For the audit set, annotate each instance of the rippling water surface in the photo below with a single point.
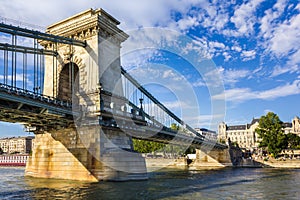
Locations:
(241, 183)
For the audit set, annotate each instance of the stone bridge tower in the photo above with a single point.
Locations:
(85, 151)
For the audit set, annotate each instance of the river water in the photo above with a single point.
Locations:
(229, 183)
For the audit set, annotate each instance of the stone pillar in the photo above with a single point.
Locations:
(51, 159)
(212, 158)
(86, 154)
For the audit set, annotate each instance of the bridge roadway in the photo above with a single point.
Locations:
(48, 113)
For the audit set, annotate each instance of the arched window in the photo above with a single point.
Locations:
(68, 81)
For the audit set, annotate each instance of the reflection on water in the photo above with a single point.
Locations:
(165, 184)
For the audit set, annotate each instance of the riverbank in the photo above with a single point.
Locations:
(157, 163)
(184, 163)
(289, 163)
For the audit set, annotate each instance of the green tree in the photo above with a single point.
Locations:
(144, 146)
(180, 149)
(293, 141)
(270, 130)
(174, 127)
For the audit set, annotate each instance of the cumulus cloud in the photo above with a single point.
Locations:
(221, 76)
(248, 55)
(268, 20)
(236, 48)
(215, 44)
(244, 18)
(286, 37)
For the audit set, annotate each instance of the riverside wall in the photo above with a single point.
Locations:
(289, 163)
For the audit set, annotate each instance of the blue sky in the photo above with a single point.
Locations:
(253, 44)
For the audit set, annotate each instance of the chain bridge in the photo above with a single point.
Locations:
(68, 87)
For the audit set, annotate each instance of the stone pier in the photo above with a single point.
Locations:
(92, 155)
(228, 157)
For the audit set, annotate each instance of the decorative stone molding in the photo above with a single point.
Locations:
(86, 25)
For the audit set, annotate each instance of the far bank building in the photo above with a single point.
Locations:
(245, 135)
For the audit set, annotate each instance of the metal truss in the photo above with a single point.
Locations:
(14, 30)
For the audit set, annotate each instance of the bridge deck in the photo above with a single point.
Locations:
(44, 112)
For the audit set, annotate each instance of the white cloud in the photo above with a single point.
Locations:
(281, 91)
(281, 36)
(278, 70)
(199, 83)
(214, 16)
(226, 55)
(267, 22)
(216, 44)
(221, 76)
(132, 14)
(235, 95)
(244, 18)
(171, 75)
(236, 48)
(204, 120)
(294, 59)
(286, 37)
(246, 94)
(177, 105)
(19, 78)
(233, 76)
(207, 49)
(187, 23)
(248, 55)
(5, 38)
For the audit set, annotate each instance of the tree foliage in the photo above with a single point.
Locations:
(174, 127)
(270, 130)
(293, 141)
(143, 146)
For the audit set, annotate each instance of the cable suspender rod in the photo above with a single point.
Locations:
(160, 105)
(30, 50)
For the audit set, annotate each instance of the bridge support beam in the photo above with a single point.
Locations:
(88, 154)
(217, 157)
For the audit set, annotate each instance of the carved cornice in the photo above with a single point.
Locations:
(88, 24)
(113, 31)
(74, 27)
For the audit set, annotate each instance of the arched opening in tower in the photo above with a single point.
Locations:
(68, 81)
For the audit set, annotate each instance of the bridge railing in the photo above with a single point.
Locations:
(32, 95)
(22, 57)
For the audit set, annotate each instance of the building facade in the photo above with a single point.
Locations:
(245, 135)
(293, 127)
(20, 145)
